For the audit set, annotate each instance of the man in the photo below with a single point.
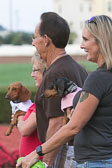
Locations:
(50, 39)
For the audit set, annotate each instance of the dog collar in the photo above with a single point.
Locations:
(72, 87)
(16, 101)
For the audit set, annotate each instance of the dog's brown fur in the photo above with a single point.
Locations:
(61, 87)
(53, 93)
(17, 91)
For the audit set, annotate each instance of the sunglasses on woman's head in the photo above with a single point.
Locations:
(92, 20)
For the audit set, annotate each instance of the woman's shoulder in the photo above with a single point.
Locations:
(99, 75)
(92, 76)
(98, 82)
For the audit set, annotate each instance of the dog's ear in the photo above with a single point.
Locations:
(61, 86)
(60, 92)
(25, 94)
(52, 85)
(65, 86)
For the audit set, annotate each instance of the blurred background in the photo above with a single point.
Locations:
(23, 15)
(18, 19)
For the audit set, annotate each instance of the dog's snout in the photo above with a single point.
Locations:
(7, 96)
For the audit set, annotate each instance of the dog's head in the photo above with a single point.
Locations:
(60, 87)
(18, 93)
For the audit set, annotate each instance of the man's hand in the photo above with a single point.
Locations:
(28, 160)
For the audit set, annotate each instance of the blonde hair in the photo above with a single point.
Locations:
(41, 63)
(101, 28)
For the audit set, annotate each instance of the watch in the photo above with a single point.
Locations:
(39, 150)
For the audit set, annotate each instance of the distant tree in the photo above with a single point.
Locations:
(1, 40)
(20, 38)
(73, 35)
(17, 38)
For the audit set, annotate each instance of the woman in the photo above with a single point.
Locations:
(27, 125)
(91, 122)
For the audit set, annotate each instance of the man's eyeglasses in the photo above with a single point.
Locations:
(92, 20)
(35, 70)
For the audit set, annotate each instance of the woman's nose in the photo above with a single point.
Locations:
(82, 45)
(32, 74)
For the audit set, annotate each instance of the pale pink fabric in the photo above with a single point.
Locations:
(67, 101)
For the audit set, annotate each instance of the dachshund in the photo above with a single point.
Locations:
(69, 93)
(19, 97)
(66, 90)
(60, 87)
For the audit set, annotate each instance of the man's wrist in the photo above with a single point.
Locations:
(39, 151)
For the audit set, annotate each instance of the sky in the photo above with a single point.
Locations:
(22, 15)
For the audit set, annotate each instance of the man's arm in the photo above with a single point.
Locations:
(54, 125)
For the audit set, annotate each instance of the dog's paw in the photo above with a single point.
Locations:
(7, 133)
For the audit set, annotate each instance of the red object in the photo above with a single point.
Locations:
(8, 147)
(29, 143)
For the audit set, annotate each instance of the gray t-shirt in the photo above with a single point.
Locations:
(94, 142)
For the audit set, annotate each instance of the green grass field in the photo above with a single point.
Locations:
(89, 66)
(22, 72)
(16, 72)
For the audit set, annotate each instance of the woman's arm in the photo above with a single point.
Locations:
(28, 126)
(83, 112)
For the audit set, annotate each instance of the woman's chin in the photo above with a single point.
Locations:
(37, 85)
(88, 57)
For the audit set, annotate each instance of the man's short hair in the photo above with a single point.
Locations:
(55, 27)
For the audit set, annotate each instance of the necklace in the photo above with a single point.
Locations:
(59, 56)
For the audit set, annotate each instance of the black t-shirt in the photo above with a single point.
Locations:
(94, 142)
(51, 107)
